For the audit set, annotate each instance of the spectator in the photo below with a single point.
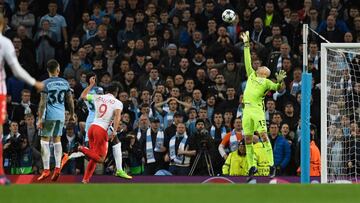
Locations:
(154, 148)
(24, 107)
(23, 17)
(73, 48)
(258, 33)
(331, 32)
(13, 134)
(270, 17)
(229, 141)
(90, 31)
(68, 142)
(29, 129)
(178, 152)
(270, 110)
(45, 43)
(58, 25)
(75, 69)
(281, 149)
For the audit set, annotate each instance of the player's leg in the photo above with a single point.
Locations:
(269, 153)
(46, 134)
(94, 132)
(57, 149)
(248, 127)
(98, 146)
(116, 149)
(262, 130)
(3, 179)
(91, 166)
(3, 114)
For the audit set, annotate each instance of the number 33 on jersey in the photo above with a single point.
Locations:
(105, 106)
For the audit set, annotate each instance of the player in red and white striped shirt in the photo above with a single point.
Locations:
(7, 54)
(107, 110)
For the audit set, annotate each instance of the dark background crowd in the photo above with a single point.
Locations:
(175, 61)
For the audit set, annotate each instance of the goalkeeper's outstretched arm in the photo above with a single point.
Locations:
(247, 55)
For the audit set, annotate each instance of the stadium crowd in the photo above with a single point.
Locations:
(181, 72)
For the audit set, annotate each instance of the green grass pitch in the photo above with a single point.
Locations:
(180, 193)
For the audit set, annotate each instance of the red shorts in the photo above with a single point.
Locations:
(98, 140)
(3, 111)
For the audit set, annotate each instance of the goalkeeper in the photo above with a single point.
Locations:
(257, 87)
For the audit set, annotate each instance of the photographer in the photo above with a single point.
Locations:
(28, 160)
(132, 153)
(202, 141)
(19, 156)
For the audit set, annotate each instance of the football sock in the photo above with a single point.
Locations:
(57, 154)
(269, 152)
(117, 156)
(250, 155)
(45, 154)
(89, 170)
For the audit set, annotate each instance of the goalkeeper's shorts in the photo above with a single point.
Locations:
(253, 120)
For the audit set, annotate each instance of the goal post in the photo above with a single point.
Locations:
(338, 111)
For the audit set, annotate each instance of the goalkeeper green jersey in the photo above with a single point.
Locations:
(256, 87)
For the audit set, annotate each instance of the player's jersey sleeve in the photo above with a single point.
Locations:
(119, 105)
(271, 85)
(247, 59)
(11, 59)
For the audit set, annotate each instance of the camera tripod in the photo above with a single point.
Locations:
(209, 166)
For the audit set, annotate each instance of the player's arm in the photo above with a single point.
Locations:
(70, 102)
(280, 80)
(247, 56)
(42, 106)
(84, 95)
(18, 71)
(117, 119)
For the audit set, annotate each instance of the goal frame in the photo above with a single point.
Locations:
(324, 100)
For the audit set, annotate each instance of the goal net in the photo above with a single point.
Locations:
(340, 108)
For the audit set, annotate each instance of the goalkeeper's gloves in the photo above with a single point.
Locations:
(245, 37)
(280, 76)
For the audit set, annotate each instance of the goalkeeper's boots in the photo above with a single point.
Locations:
(272, 172)
(44, 175)
(4, 181)
(122, 174)
(252, 171)
(56, 174)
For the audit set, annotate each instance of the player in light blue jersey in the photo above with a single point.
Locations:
(52, 117)
(91, 105)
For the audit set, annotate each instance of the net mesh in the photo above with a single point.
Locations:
(343, 90)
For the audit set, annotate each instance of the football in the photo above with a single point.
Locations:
(228, 16)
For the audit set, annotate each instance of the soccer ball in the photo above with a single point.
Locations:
(228, 16)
